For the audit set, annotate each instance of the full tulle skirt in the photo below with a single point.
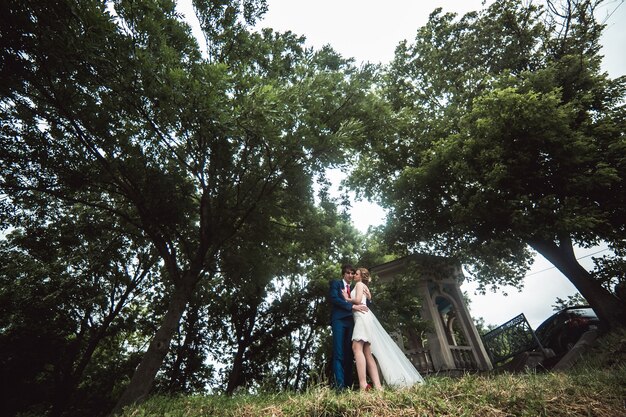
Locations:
(395, 367)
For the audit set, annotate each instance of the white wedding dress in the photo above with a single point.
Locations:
(395, 367)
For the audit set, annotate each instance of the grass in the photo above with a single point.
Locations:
(596, 387)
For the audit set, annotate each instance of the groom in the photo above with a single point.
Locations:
(341, 323)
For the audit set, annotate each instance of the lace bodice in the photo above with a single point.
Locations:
(353, 294)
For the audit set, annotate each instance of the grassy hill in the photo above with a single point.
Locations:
(595, 387)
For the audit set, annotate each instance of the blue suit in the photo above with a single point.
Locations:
(341, 323)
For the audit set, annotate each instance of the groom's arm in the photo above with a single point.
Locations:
(336, 298)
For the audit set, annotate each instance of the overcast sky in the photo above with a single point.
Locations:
(369, 31)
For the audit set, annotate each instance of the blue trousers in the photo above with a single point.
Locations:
(342, 352)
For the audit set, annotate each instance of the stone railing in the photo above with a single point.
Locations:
(463, 357)
(421, 359)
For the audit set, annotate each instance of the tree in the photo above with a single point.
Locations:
(187, 369)
(71, 285)
(270, 312)
(508, 137)
(571, 301)
(115, 108)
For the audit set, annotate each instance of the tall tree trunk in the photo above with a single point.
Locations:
(606, 305)
(143, 378)
(302, 353)
(180, 375)
(234, 378)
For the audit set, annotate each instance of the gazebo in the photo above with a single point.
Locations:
(453, 344)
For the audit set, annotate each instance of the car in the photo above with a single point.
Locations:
(561, 331)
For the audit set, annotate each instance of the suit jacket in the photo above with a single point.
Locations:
(340, 308)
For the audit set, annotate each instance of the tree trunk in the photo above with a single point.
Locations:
(180, 375)
(302, 352)
(235, 379)
(143, 378)
(606, 305)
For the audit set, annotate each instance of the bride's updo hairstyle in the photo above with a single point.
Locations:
(365, 276)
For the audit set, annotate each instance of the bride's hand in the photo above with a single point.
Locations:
(367, 293)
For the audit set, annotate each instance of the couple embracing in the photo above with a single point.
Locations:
(358, 336)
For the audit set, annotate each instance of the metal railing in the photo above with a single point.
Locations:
(510, 339)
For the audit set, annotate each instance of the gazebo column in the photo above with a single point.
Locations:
(437, 342)
(465, 320)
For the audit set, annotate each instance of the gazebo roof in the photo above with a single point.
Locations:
(431, 267)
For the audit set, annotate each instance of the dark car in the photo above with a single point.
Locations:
(561, 331)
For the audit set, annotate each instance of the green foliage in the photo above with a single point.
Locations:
(610, 270)
(267, 306)
(506, 138)
(202, 159)
(71, 286)
(570, 301)
(482, 327)
(373, 249)
(155, 192)
(397, 304)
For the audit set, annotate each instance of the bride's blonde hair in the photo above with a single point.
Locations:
(365, 276)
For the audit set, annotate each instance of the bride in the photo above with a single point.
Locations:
(369, 338)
